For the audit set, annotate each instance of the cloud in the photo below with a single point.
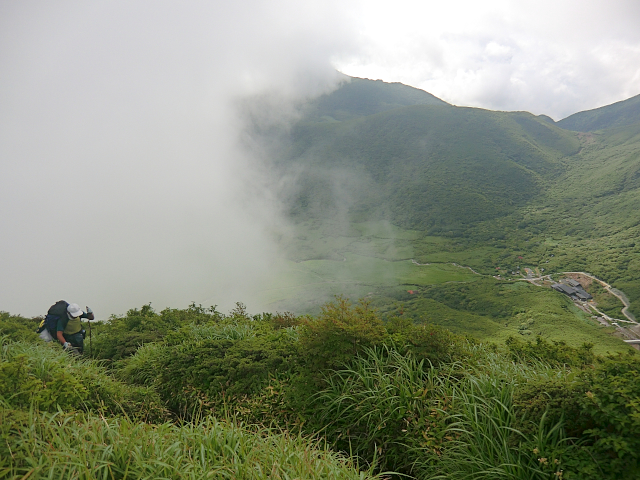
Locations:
(546, 57)
(124, 173)
(123, 179)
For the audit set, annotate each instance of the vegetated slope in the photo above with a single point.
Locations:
(511, 187)
(619, 114)
(437, 168)
(339, 390)
(63, 416)
(592, 211)
(360, 96)
(492, 311)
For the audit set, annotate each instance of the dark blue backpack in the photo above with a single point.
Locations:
(50, 322)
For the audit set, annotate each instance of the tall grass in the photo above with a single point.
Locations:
(67, 446)
(486, 443)
(482, 425)
(455, 421)
(386, 405)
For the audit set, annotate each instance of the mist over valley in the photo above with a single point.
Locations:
(383, 183)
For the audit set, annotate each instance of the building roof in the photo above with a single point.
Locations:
(582, 294)
(572, 292)
(563, 288)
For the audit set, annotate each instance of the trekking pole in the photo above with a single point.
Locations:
(90, 337)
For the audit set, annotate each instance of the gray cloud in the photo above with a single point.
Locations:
(124, 173)
(122, 176)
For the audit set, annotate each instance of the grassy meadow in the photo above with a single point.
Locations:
(426, 278)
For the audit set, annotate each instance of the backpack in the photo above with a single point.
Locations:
(50, 321)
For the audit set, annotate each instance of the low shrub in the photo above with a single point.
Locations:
(44, 377)
(611, 405)
(207, 371)
(599, 408)
(120, 337)
(340, 332)
(553, 353)
(18, 328)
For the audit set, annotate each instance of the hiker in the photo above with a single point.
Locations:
(63, 324)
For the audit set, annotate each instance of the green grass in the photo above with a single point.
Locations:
(88, 447)
(330, 241)
(493, 310)
(307, 283)
(455, 421)
(482, 426)
(415, 399)
(356, 277)
(387, 405)
(354, 260)
(357, 261)
(45, 377)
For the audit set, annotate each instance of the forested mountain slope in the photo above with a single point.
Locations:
(592, 209)
(438, 168)
(507, 185)
(619, 114)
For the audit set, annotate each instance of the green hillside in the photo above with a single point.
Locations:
(360, 96)
(619, 114)
(436, 168)
(589, 216)
(496, 191)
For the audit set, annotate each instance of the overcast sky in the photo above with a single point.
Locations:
(122, 178)
(555, 57)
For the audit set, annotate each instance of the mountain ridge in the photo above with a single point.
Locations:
(618, 114)
(356, 97)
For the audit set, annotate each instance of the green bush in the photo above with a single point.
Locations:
(209, 371)
(120, 337)
(432, 343)
(554, 353)
(44, 377)
(611, 403)
(555, 398)
(340, 332)
(600, 410)
(56, 388)
(18, 328)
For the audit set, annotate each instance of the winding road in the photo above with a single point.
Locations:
(612, 291)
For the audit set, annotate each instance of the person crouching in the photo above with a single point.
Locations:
(69, 331)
